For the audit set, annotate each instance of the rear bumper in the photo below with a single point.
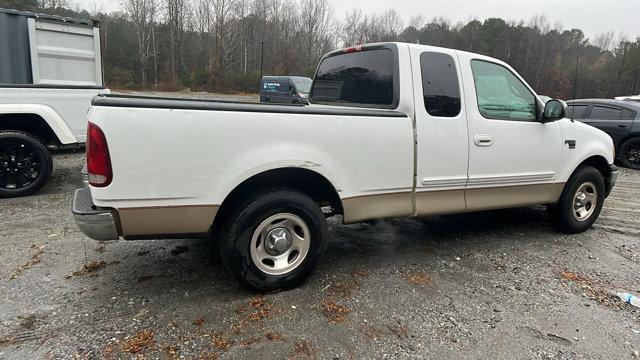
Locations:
(96, 223)
(611, 179)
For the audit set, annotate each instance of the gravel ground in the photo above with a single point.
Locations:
(497, 285)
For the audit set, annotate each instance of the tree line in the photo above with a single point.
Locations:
(221, 45)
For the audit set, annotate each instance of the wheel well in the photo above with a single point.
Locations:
(597, 162)
(309, 182)
(31, 124)
(602, 165)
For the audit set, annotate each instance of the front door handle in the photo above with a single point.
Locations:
(483, 140)
(622, 126)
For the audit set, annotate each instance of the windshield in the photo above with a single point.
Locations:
(303, 85)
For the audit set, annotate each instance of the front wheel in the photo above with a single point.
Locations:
(25, 164)
(580, 203)
(629, 153)
(273, 240)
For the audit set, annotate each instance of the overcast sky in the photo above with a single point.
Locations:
(592, 16)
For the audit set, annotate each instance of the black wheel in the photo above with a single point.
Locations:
(580, 202)
(629, 153)
(25, 164)
(273, 239)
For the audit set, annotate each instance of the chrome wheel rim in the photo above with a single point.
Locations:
(280, 244)
(585, 201)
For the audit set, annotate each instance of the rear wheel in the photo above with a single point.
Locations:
(629, 153)
(25, 164)
(580, 203)
(273, 240)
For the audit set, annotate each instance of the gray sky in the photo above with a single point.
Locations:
(592, 16)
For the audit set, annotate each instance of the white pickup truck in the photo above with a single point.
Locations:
(393, 130)
(50, 69)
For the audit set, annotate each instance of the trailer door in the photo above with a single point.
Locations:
(64, 54)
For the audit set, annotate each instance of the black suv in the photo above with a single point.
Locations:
(619, 119)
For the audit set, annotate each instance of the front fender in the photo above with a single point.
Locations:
(589, 142)
(48, 114)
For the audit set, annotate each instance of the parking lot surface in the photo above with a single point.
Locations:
(498, 285)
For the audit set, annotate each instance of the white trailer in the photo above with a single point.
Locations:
(50, 69)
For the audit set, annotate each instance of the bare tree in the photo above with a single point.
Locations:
(175, 12)
(315, 17)
(53, 4)
(142, 14)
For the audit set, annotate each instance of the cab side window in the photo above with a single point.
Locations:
(501, 95)
(440, 85)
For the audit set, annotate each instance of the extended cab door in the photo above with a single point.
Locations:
(441, 130)
(513, 157)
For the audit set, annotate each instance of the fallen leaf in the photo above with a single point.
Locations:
(138, 342)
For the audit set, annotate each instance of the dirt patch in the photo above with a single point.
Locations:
(179, 250)
(199, 322)
(273, 336)
(593, 289)
(399, 330)
(371, 332)
(144, 278)
(360, 274)
(100, 247)
(336, 313)
(172, 351)
(256, 309)
(302, 350)
(88, 268)
(343, 289)
(35, 258)
(220, 342)
(417, 278)
(28, 322)
(138, 342)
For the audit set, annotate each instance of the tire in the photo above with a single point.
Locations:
(629, 154)
(580, 203)
(25, 164)
(267, 213)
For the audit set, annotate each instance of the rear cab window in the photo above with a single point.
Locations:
(364, 76)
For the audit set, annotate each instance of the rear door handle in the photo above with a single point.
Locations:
(622, 126)
(483, 140)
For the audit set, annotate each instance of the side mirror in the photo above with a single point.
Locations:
(554, 110)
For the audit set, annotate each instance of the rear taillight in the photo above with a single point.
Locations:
(98, 160)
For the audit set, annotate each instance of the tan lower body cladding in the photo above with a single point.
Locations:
(167, 220)
(440, 202)
(198, 219)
